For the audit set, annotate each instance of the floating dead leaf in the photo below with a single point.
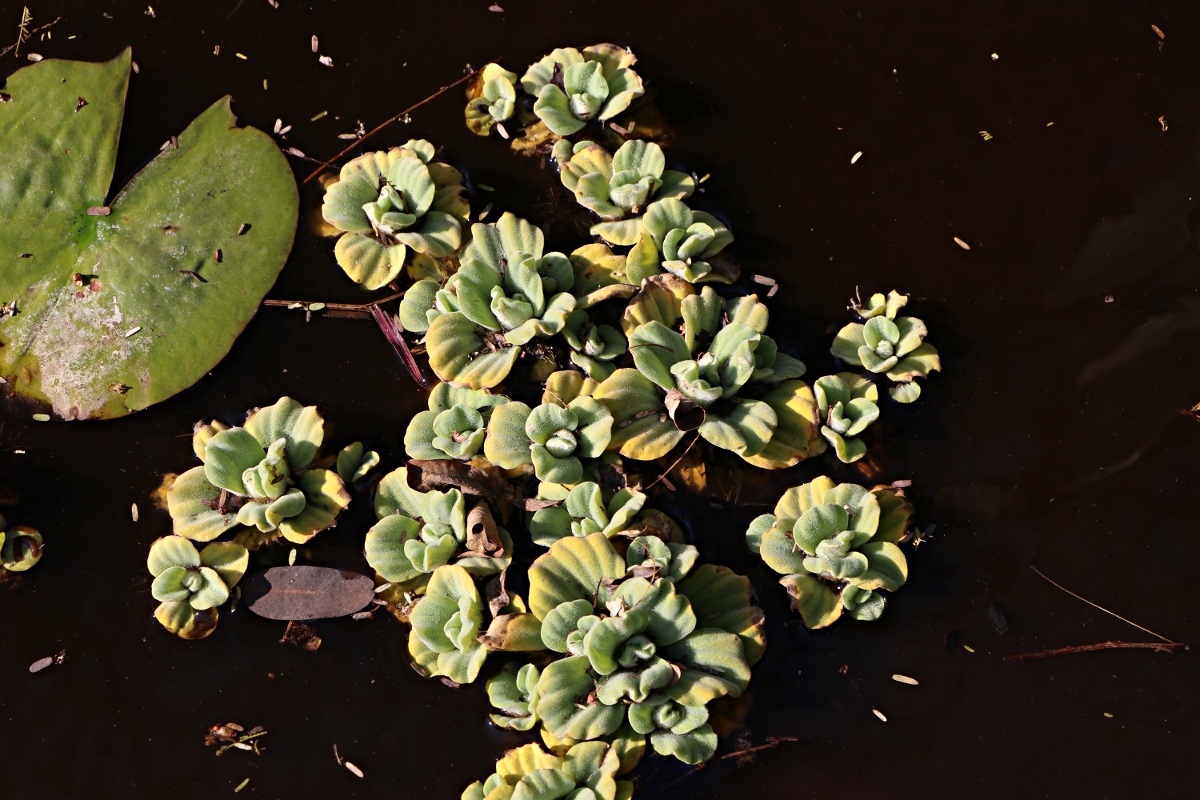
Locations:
(477, 478)
(497, 592)
(301, 635)
(232, 736)
(307, 592)
(483, 538)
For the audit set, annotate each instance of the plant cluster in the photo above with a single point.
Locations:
(260, 482)
(560, 370)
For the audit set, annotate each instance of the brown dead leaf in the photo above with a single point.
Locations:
(306, 592)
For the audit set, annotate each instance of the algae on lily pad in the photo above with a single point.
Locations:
(111, 307)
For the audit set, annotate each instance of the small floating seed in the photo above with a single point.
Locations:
(879, 714)
(132, 64)
(1110, 716)
(41, 664)
(1158, 31)
(763, 280)
(318, 116)
(503, 132)
(292, 557)
(99, 211)
(355, 771)
(245, 226)
(316, 306)
(242, 57)
(771, 292)
(241, 785)
(134, 512)
(41, 417)
(495, 8)
(284, 131)
(278, 124)
(217, 50)
(854, 159)
(133, 331)
(961, 243)
(347, 135)
(314, 43)
(292, 151)
(968, 648)
(34, 57)
(905, 679)
(383, 587)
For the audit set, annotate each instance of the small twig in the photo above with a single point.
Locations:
(362, 308)
(1169, 647)
(1102, 608)
(387, 122)
(676, 464)
(28, 35)
(394, 335)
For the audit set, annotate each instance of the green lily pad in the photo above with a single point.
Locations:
(122, 304)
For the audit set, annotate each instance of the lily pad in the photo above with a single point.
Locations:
(122, 304)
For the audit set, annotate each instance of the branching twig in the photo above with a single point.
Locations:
(387, 122)
(23, 35)
(771, 744)
(1160, 647)
(1102, 608)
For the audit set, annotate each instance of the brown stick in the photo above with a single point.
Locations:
(772, 743)
(395, 336)
(1160, 647)
(364, 308)
(387, 122)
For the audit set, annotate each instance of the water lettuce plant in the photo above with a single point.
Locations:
(117, 300)
(454, 426)
(582, 511)
(446, 623)
(622, 184)
(672, 238)
(555, 437)
(513, 692)
(586, 771)
(191, 584)
(703, 376)
(259, 476)
(418, 532)
(633, 648)
(888, 344)
(20, 547)
(491, 98)
(837, 546)
(507, 292)
(847, 403)
(574, 87)
(390, 203)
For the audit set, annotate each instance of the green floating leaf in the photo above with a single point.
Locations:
(169, 273)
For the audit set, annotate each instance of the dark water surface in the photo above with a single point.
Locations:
(1051, 439)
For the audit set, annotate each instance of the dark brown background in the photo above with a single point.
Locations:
(1051, 439)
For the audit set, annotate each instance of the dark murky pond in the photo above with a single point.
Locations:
(1052, 439)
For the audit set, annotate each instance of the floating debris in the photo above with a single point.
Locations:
(292, 557)
(48, 661)
(763, 280)
(1110, 716)
(495, 8)
(318, 116)
(34, 57)
(242, 57)
(134, 512)
(879, 714)
(326, 61)
(301, 635)
(241, 785)
(232, 736)
(41, 417)
(133, 65)
(968, 648)
(1163, 121)
(315, 46)
(961, 243)
(292, 151)
(98, 211)
(355, 771)
(1158, 32)
(995, 56)
(905, 680)
(133, 331)
(854, 158)
(987, 137)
